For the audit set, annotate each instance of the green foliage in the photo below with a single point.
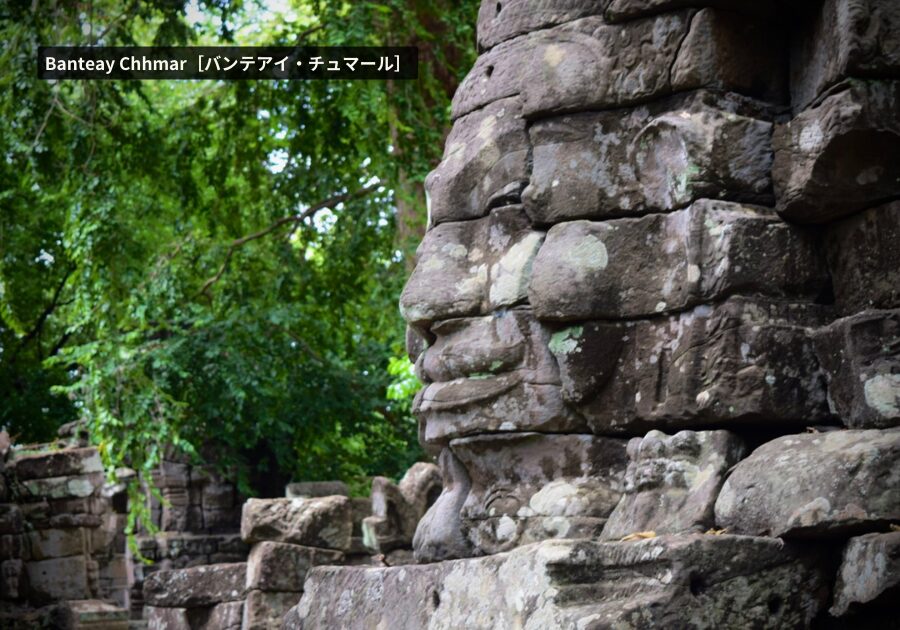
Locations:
(133, 291)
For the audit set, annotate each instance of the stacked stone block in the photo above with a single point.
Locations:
(62, 549)
(657, 316)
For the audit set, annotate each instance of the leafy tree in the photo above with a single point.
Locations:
(214, 266)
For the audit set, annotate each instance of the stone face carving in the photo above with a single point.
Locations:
(672, 482)
(698, 255)
(439, 534)
(659, 156)
(668, 582)
(840, 156)
(815, 485)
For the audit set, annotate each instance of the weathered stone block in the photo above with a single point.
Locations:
(93, 614)
(321, 522)
(11, 519)
(619, 10)
(744, 362)
(311, 489)
(58, 578)
(500, 21)
(395, 509)
(159, 618)
(225, 616)
(59, 543)
(75, 461)
(672, 482)
(861, 360)
(67, 487)
(837, 39)
(484, 164)
(520, 493)
(602, 270)
(869, 573)
(587, 64)
(12, 583)
(840, 156)
(471, 267)
(864, 259)
(274, 566)
(667, 582)
(655, 157)
(265, 611)
(196, 587)
(815, 485)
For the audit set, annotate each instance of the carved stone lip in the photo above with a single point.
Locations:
(462, 392)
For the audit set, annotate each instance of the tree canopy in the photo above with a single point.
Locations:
(214, 266)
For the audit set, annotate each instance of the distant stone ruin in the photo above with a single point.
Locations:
(657, 313)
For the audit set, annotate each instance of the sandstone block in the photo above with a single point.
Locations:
(837, 39)
(672, 482)
(619, 10)
(605, 270)
(500, 21)
(397, 508)
(745, 362)
(521, 494)
(869, 573)
(12, 580)
(485, 164)
(58, 578)
(11, 519)
(59, 543)
(815, 485)
(587, 64)
(196, 587)
(312, 489)
(67, 487)
(841, 156)
(655, 157)
(864, 259)
(321, 522)
(65, 462)
(273, 566)
(225, 616)
(166, 618)
(861, 361)
(666, 582)
(470, 268)
(265, 611)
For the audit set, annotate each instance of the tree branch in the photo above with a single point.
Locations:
(42, 318)
(291, 219)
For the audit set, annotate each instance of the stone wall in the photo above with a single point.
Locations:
(657, 316)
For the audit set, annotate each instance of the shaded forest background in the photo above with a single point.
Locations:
(214, 267)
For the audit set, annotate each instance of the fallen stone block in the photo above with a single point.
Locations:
(395, 509)
(196, 587)
(65, 462)
(744, 362)
(713, 249)
(265, 611)
(840, 156)
(869, 573)
(861, 360)
(468, 268)
(656, 157)
(864, 259)
(672, 482)
(322, 522)
(273, 566)
(665, 582)
(587, 64)
(313, 489)
(815, 485)
(485, 164)
(837, 39)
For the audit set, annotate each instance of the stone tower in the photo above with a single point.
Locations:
(657, 313)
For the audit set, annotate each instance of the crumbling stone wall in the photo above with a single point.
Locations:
(656, 312)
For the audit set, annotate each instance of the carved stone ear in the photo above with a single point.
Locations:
(439, 534)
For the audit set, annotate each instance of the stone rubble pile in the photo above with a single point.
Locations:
(657, 315)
